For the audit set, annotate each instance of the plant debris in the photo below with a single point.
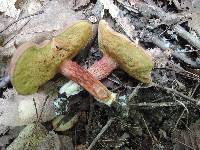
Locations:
(161, 115)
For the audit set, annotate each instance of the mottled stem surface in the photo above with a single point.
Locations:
(85, 79)
(102, 68)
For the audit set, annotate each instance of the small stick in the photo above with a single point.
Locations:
(100, 134)
(156, 105)
(176, 54)
(134, 93)
(170, 19)
(184, 144)
(31, 15)
(152, 137)
(16, 33)
(195, 88)
(187, 36)
(36, 111)
(165, 17)
(179, 119)
(178, 93)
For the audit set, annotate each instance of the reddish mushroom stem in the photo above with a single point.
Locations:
(102, 68)
(84, 78)
(99, 70)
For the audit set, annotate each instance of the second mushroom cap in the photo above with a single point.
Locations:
(132, 58)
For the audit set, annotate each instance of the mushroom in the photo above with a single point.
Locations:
(34, 64)
(117, 50)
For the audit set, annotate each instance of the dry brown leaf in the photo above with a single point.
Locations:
(56, 15)
(8, 8)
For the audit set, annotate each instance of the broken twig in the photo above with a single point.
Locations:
(158, 105)
(100, 134)
(178, 94)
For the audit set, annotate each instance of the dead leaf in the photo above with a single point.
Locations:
(19, 110)
(54, 15)
(123, 21)
(8, 8)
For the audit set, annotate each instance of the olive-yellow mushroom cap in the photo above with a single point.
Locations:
(132, 58)
(32, 65)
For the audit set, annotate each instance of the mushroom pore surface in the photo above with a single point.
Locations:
(131, 57)
(32, 65)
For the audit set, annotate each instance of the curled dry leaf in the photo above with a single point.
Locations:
(8, 8)
(17, 110)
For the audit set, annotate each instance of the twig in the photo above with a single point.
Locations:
(195, 88)
(181, 103)
(181, 71)
(187, 36)
(179, 119)
(184, 144)
(134, 93)
(100, 134)
(153, 140)
(165, 17)
(158, 105)
(169, 90)
(169, 19)
(179, 55)
(16, 33)
(37, 13)
(177, 28)
(36, 110)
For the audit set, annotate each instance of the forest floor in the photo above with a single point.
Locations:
(162, 115)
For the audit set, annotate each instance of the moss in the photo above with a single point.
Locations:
(37, 65)
(131, 58)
